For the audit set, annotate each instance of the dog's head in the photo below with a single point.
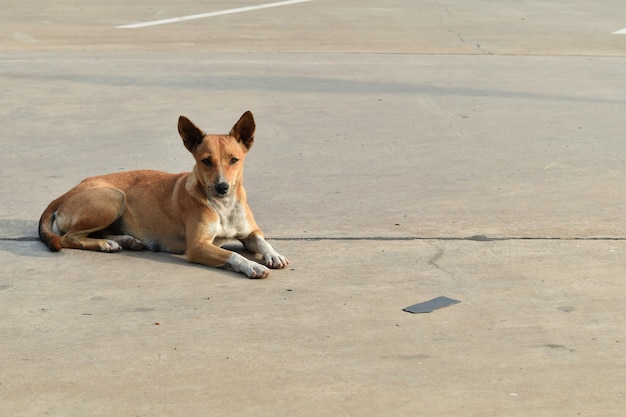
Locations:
(219, 158)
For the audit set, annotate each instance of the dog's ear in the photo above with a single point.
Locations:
(191, 134)
(243, 130)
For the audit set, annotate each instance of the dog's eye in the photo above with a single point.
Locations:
(207, 162)
(233, 161)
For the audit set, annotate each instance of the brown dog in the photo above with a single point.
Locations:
(192, 213)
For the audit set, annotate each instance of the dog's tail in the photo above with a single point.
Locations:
(46, 222)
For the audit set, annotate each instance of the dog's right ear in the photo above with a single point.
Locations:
(191, 134)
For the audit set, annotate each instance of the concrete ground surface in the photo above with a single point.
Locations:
(404, 150)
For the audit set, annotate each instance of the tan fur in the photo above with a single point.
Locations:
(192, 213)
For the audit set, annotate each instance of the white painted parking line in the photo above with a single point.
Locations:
(210, 14)
(620, 32)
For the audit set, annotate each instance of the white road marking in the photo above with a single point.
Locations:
(620, 32)
(210, 14)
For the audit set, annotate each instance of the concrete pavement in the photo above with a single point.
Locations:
(404, 150)
(538, 332)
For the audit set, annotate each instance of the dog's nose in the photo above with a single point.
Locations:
(222, 188)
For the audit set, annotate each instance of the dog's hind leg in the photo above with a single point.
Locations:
(87, 210)
(126, 241)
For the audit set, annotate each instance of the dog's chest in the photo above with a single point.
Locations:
(232, 221)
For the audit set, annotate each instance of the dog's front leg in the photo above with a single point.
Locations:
(252, 269)
(256, 243)
(211, 255)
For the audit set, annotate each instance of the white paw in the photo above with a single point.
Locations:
(257, 271)
(107, 245)
(251, 269)
(275, 260)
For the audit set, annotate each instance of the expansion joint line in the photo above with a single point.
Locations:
(475, 238)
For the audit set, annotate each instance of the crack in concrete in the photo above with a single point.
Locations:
(434, 261)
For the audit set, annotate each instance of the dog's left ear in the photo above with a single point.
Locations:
(243, 130)
(191, 134)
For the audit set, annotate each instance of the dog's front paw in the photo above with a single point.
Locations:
(275, 260)
(257, 271)
(248, 267)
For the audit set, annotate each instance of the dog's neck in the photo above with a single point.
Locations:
(232, 222)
